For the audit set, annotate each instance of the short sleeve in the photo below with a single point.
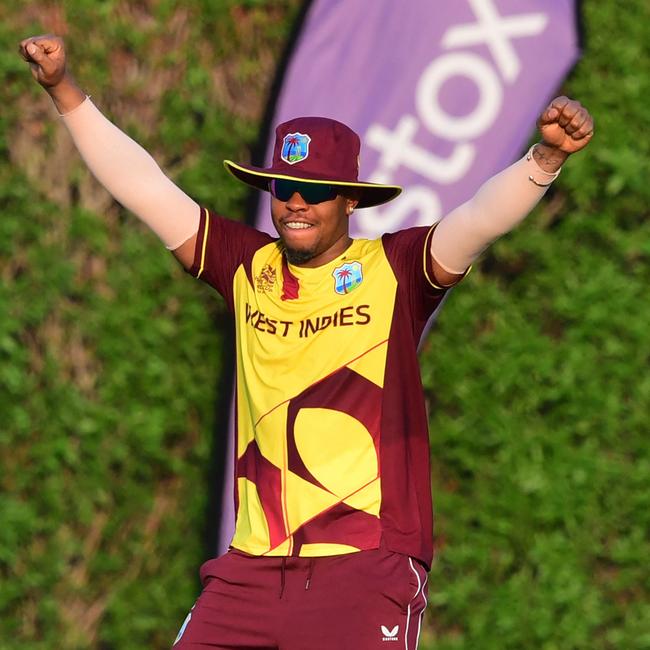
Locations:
(222, 246)
(407, 252)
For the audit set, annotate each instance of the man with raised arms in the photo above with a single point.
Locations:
(333, 538)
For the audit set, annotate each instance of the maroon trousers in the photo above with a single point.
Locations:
(359, 601)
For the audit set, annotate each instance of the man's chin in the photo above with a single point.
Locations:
(298, 256)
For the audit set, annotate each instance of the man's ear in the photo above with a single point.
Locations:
(352, 196)
(350, 205)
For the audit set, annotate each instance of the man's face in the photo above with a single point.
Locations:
(313, 233)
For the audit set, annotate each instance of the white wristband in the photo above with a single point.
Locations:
(547, 178)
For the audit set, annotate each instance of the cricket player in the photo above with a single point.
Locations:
(333, 537)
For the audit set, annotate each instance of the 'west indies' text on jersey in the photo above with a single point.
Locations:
(332, 450)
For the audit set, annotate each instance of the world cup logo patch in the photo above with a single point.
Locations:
(295, 148)
(347, 277)
(265, 281)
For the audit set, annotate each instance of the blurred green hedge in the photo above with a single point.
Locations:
(536, 373)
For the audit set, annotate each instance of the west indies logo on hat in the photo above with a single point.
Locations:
(295, 147)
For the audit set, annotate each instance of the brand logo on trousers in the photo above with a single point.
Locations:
(389, 635)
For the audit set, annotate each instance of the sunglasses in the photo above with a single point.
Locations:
(284, 189)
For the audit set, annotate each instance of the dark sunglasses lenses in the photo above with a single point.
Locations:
(283, 190)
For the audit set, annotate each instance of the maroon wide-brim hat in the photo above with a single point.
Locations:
(317, 150)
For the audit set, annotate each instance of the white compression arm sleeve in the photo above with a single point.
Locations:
(499, 205)
(132, 176)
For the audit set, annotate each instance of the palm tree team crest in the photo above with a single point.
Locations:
(295, 147)
(347, 277)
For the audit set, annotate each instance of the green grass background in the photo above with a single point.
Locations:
(537, 374)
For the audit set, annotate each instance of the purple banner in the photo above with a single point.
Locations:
(443, 95)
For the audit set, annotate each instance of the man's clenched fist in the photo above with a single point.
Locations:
(46, 57)
(566, 125)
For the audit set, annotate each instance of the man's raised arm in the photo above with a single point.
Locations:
(505, 199)
(121, 165)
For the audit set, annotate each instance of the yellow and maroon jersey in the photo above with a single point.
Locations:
(332, 451)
